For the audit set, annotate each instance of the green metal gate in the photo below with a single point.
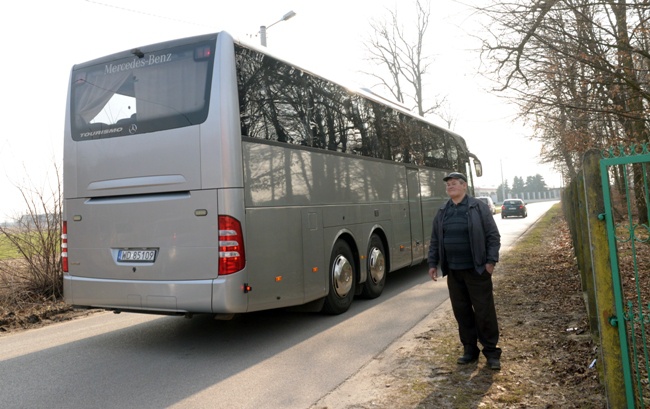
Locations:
(624, 175)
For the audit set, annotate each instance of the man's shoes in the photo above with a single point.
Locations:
(467, 359)
(494, 364)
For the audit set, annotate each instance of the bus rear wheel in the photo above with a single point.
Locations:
(342, 277)
(376, 259)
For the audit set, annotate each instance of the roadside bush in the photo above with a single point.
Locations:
(33, 238)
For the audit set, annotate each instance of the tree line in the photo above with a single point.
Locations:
(578, 70)
(532, 184)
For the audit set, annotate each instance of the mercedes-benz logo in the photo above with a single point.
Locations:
(133, 129)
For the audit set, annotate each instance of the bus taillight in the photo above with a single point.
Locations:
(64, 247)
(231, 246)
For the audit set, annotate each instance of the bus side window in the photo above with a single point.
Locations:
(436, 155)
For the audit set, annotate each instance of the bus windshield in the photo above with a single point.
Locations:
(141, 91)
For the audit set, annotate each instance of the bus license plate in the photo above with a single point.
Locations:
(136, 255)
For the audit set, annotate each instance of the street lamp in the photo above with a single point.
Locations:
(503, 185)
(264, 28)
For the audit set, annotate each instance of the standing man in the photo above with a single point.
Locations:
(465, 243)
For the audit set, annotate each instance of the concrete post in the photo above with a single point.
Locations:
(612, 367)
(584, 256)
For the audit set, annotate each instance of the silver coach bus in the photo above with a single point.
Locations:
(203, 175)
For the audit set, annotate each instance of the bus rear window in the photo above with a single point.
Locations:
(142, 92)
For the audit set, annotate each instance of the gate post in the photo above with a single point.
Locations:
(610, 345)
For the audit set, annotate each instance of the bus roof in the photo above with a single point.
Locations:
(364, 92)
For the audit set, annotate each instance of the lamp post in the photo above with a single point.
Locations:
(264, 28)
(503, 185)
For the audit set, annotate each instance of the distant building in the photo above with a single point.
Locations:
(549, 194)
(486, 191)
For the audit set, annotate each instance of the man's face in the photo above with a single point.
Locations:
(456, 188)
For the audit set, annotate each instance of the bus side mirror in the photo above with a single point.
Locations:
(478, 167)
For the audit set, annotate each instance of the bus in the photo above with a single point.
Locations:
(207, 176)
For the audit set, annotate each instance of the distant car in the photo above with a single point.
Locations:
(488, 201)
(513, 207)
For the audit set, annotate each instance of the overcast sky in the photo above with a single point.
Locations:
(43, 39)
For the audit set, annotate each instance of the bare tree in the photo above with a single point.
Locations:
(35, 236)
(401, 54)
(579, 69)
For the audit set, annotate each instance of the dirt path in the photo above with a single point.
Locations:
(547, 349)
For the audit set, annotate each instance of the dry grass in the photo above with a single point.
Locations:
(22, 306)
(547, 349)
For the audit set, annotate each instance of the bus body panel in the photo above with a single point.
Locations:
(70, 168)
(162, 296)
(168, 224)
(274, 236)
(433, 194)
(415, 212)
(315, 257)
(221, 151)
(148, 163)
(223, 295)
(228, 294)
(281, 175)
(400, 247)
(183, 277)
(277, 176)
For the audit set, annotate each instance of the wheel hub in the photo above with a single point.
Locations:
(342, 276)
(376, 264)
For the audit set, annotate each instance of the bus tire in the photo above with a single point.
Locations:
(342, 277)
(376, 264)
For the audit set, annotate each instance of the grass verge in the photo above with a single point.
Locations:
(545, 337)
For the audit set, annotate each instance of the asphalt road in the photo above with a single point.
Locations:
(273, 359)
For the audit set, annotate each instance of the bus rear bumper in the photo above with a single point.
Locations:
(158, 297)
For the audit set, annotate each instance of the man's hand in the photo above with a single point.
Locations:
(489, 268)
(433, 273)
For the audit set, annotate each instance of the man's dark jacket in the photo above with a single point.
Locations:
(484, 236)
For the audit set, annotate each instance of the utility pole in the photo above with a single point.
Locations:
(503, 185)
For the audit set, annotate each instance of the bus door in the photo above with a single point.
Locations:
(415, 210)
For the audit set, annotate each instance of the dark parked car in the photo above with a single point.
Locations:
(513, 207)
